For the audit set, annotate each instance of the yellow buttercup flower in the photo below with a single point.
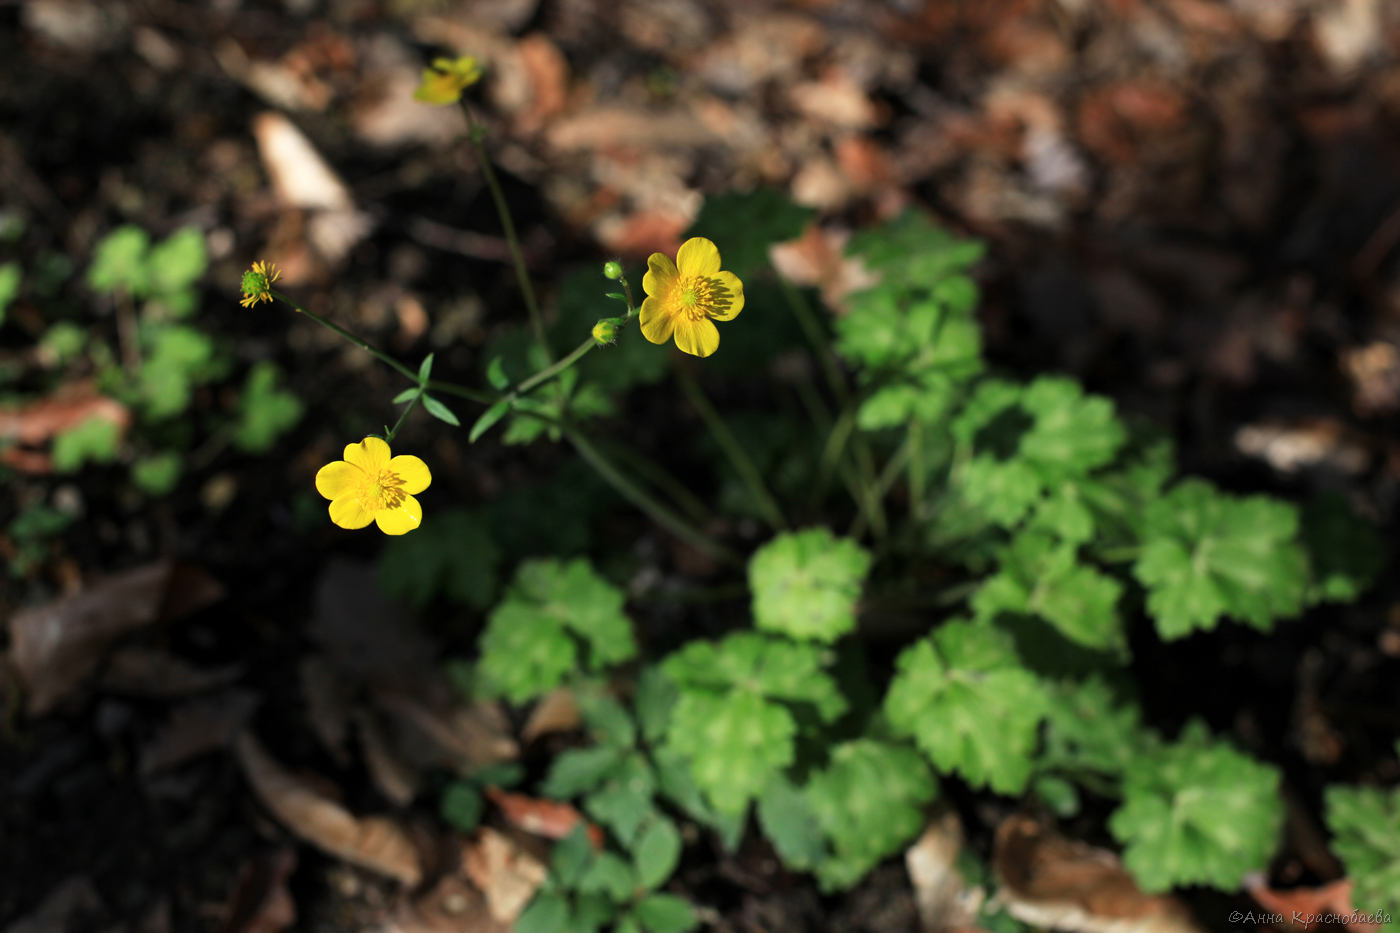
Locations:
(685, 297)
(257, 283)
(369, 485)
(444, 83)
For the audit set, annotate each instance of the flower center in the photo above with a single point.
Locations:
(384, 491)
(695, 296)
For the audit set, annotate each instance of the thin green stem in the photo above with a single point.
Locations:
(412, 404)
(356, 339)
(664, 480)
(452, 388)
(870, 512)
(522, 275)
(914, 441)
(836, 379)
(434, 385)
(902, 454)
(638, 497)
(812, 329)
(738, 456)
(549, 372)
(832, 452)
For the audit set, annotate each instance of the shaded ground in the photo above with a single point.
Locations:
(1193, 206)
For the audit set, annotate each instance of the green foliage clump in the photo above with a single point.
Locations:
(265, 412)
(93, 440)
(557, 616)
(806, 584)
(157, 474)
(125, 262)
(1207, 555)
(947, 690)
(625, 783)
(868, 801)
(1041, 577)
(912, 337)
(741, 702)
(1019, 530)
(1197, 812)
(9, 286)
(32, 532)
(1365, 822)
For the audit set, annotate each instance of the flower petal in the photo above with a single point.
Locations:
(370, 455)
(347, 512)
(337, 478)
(412, 471)
(400, 520)
(731, 284)
(698, 338)
(661, 272)
(656, 324)
(698, 256)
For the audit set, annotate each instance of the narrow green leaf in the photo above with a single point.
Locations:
(657, 853)
(570, 857)
(406, 395)
(615, 295)
(488, 418)
(440, 411)
(665, 913)
(425, 368)
(496, 374)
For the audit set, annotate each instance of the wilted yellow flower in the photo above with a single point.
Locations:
(685, 297)
(257, 283)
(370, 485)
(444, 82)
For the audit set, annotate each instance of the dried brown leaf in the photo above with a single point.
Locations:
(376, 843)
(151, 672)
(36, 422)
(328, 706)
(1331, 899)
(943, 897)
(395, 779)
(300, 177)
(197, 727)
(54, 647)
(548, 818)
(557, 711)
(1047, 880)
(507, 875)
(461, 738)
(1312, 442)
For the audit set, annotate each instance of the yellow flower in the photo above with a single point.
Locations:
(444, 82)
(687, 296)
(370, 485)
(257, 283)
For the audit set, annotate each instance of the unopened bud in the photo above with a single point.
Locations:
(612, 269)
(605, 331)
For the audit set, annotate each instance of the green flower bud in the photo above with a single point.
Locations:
(612, 269)
(605, 331)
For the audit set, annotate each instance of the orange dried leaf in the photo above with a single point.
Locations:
(376, 843)
(547, 818)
